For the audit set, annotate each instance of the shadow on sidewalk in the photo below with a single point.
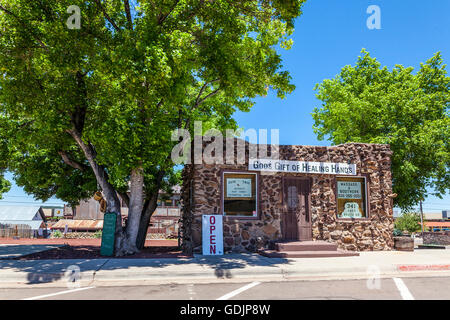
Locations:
(47, 271)
(224, 264)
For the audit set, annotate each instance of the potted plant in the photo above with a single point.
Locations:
(405, 225)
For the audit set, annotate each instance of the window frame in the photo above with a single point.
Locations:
(366, 199)
(222, 194)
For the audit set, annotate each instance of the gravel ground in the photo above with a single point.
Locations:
(82, 242)
(90, 249)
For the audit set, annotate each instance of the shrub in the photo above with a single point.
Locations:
(409, 222)
(98, 234)
(57, 234)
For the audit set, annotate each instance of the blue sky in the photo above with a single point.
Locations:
(329, 35)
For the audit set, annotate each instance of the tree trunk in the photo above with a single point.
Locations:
(128, 245)
(147, 213)
(122, 245)
(148, 210)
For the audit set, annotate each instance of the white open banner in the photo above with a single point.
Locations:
(212, 234)
(302, 166)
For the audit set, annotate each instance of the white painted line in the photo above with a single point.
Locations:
(191, 291)
(236, 292)
(57, 293)
(404, 291)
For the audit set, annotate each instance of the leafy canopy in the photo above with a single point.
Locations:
(125, 80)
(410, 112)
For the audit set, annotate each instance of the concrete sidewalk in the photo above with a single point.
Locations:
(231, 268)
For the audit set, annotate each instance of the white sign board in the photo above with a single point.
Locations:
(239, 188)
(351, 210)
(58, 213)
(212, 234)
(349, 190)
(302, 166)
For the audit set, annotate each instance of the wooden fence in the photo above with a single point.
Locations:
(168, 229)
(15, 230)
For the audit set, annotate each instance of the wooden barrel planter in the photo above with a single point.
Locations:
(404, 243)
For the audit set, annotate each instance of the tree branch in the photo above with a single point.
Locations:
(197, 101)
(72, 163)
(126, 3)
(162, 19)
(125, 198)
(209, 96)
(106, 15)
(42, 44)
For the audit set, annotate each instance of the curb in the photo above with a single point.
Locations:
(423, 267)
(211, 274)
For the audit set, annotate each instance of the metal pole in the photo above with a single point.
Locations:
(421, 216)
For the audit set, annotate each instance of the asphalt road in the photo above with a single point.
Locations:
(386, 289)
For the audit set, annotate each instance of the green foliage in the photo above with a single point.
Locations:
(57, 234)
(54, 218)
(125, 85)
(410, 112)
(408, 221)
(5, 185)
(397, 232)
(98, 234)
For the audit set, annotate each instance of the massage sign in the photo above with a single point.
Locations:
(350, 196)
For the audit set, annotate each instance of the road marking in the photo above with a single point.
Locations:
(404, 291)
(236, 292)
(191, 291)
(57, 293)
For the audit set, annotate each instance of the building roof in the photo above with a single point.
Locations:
(437, 223)
(432, 215)
(20, 213)
(426, 215)
(34, 224)
(86, 225)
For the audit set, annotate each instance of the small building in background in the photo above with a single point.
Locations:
(53, 211)
(436, 222)
(87, 216)
(22, 221)
(78, 225)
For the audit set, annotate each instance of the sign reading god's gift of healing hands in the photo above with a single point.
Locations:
(302, 166)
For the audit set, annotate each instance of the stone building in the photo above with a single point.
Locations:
(340, 194)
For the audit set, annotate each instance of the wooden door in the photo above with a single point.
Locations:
(296, 221)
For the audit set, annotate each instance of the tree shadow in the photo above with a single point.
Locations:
(223, 267)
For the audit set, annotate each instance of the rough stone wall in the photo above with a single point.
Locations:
(374, 233)
(440, 238)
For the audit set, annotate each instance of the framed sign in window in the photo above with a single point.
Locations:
(351, 197)
(239, 194)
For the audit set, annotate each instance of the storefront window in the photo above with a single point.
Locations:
(240, 194)
(351, 197)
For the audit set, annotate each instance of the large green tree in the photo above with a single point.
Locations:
(4, 184)
(407, 110)
(93, 108)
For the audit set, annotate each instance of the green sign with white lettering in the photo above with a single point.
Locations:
(108, 234)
